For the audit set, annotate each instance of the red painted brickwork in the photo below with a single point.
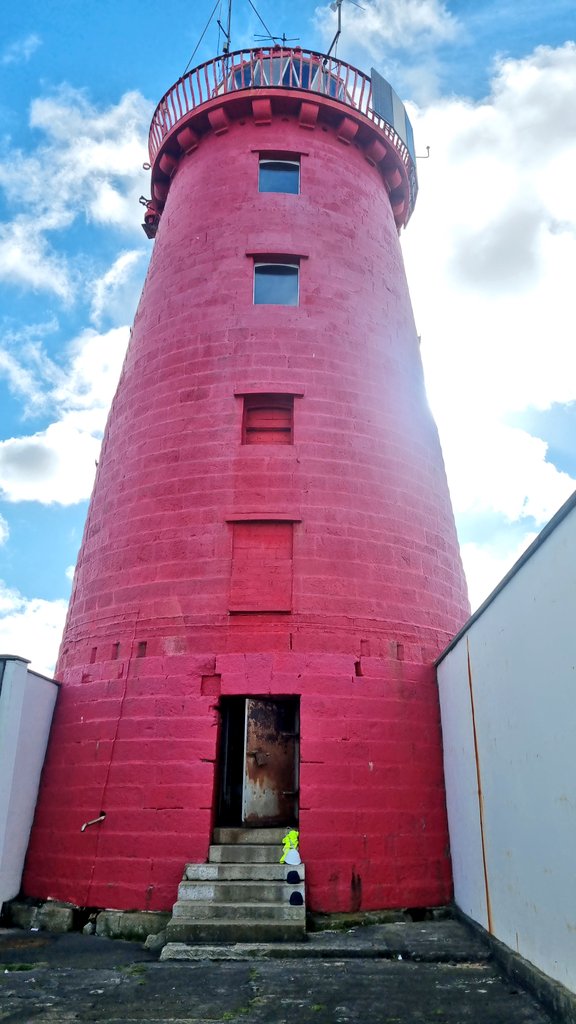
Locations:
(261, 572)
(377, 584)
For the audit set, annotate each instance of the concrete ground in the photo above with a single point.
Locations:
(433, 972)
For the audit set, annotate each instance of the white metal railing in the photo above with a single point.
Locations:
(273, 67)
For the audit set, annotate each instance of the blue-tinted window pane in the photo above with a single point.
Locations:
(275, 284)
(279, 176)
(242, 78)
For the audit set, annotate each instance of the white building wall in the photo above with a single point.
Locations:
(520, 882)
(26, 705)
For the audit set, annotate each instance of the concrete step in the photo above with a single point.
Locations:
(238, 892)
(241, 895)
(244, 855)
(246, 930)
(250, 836)
(240, 872)
(226, 854)
(194, 910)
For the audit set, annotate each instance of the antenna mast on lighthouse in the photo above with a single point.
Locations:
(336, 6)
(227, 30)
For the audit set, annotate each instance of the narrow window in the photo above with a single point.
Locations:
(261, 579)
(276, 284)
(279, 176)
(268, 419)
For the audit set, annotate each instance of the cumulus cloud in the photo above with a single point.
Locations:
(485, 565)
(500, 469)
(20, 51)
(31, 627)
(26, 258)
(397, 24)
(88, 146)
(504, 345)
(25, 366)
(490, 256)
(53, 465)
(57, 464)
(21, 380)
(87, 164)
(4, 530)
(505, 256)
(403, 38)
(92, 374)
(118, 288)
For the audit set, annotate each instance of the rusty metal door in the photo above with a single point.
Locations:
(270, 789)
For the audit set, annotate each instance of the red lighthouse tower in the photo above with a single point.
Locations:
(270, 564)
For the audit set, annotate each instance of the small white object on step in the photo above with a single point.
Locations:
(292, 857)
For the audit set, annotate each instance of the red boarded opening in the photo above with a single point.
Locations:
(268, 419)
(261, 578)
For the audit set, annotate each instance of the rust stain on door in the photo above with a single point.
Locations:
(270, 791)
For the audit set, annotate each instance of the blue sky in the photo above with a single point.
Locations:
(490, 253)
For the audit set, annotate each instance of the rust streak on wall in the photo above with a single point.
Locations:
(480, 796)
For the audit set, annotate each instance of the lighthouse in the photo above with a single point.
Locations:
(270, 565)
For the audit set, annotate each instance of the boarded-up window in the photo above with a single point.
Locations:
(261, 567)
(268, 419)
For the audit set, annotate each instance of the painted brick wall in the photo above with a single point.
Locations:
(377, 583)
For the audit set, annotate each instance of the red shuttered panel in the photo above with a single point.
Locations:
(261, 567)
(268, 419)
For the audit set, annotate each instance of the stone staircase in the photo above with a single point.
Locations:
(243, 893)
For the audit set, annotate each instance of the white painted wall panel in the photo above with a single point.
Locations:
(26, 706)
(461, 794)
(523, 665)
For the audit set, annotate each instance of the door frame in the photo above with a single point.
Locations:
(231, 760)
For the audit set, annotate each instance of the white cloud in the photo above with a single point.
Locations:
(25, 366)
(26, 258)
(4, 530)
(87, 164)
(119, 288)
(57, 464)
(495, 468)
(20, 51)
(69, 573)
(490, 256)
(92, 375)
(53, 465)
(92, 148)
(31, 627)
(401, 37)
(110, 206)
(485, 566)
(390, 24)
(21, 380)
